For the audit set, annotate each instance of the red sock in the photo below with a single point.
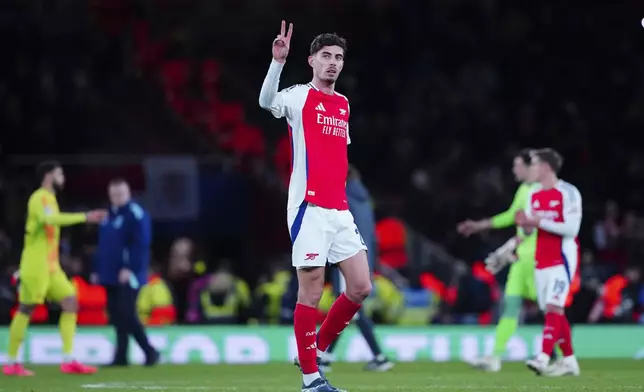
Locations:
(551, 333)
(565, 341)
(304, 324)
(339, 316)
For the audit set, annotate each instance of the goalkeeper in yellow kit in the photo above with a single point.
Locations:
(41, 277)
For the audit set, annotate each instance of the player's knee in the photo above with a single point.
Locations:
(551, 308)
(69, 304)
(26, 309)
(511, 307)
(359, 291)
(311, 286)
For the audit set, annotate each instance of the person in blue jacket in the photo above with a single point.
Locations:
(363, 216)
(121, 265)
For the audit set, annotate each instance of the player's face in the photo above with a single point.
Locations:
(58, 178)
(119, 194)
(537, 169)
(520, 169)
(327, 63)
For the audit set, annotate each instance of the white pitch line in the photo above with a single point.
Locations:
(152, 387)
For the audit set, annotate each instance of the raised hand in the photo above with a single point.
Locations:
(282, 43)
(96, 216)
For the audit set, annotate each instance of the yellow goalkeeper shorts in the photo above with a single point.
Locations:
(37, 287)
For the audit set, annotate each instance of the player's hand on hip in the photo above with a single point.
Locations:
(282, 43)
(124, 275)
(96, 216)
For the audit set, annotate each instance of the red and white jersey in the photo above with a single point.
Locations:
(560, 211)
(319, 130)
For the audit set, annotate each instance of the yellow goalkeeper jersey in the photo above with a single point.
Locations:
(42, 231)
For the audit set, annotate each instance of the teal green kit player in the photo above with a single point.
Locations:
(520, 282)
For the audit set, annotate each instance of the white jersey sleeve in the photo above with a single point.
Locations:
(572, 213)
(269, 97)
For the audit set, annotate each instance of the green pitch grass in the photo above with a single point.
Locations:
(606, 375)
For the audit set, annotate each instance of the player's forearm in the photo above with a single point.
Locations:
(569, 228)
(502, 220)
(65, 219)
(271, 85)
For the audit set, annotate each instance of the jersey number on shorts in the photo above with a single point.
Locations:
(560, 286)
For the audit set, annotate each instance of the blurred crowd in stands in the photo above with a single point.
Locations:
(442, 94)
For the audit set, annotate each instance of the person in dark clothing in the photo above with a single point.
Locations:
(121, 266)
(362, 211)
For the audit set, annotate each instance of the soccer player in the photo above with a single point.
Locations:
(520, 281)
(554, 211)
(319, 221)
(41, 277)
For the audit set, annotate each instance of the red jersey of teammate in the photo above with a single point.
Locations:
(319, 131)
(560, 211)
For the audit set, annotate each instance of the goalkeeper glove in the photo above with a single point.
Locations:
(501, 257)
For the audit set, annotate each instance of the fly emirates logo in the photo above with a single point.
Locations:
(547, 214)
(332, 126)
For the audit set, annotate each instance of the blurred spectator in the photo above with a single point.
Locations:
(8, 295)
(184, 265)
(270, 290)
(473, 296)
(219, 298)
(632, 236)
(620, 298)
(606, 231)
(282, 159)
(606, 235)
(155, 304)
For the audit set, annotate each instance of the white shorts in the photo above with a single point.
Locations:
(320, 234)
(553, 285)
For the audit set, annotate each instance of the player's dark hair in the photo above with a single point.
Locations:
(328, 39)
(45, 168)
(551, 157)
(524, 155)
(117, 181)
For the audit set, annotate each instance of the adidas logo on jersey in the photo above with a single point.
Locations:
(320, 107)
